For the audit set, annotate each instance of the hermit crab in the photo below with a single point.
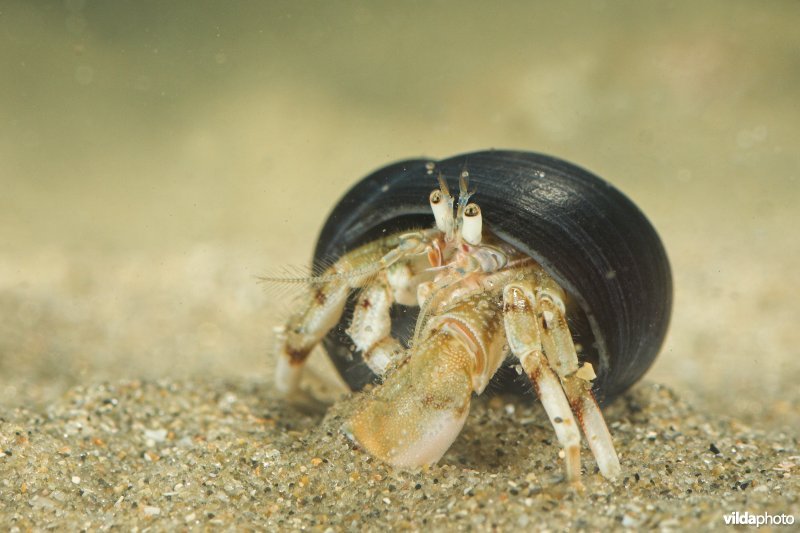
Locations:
(551, 271)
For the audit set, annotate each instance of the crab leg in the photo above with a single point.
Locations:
(304, 330)
(325, 301)
(524, 339)
(371, 327)
(560, 350)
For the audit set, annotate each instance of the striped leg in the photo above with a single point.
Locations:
(324, 302)
(305, 330)
(524, 339)
(371, 327)
(560, 350)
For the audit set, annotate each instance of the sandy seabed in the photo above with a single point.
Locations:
(170, 455)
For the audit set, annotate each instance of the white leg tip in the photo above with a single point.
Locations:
(287, 376)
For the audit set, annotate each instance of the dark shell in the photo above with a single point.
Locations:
(587, 234)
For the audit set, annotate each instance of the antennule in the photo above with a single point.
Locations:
(463, 200)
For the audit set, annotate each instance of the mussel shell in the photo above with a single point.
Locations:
(591, 238)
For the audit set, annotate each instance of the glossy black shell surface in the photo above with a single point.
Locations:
(591, 238)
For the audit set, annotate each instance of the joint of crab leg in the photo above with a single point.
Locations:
(287, 375)
(383, 355)
(558, 409)
(371, 320)
(410, 244)
(403, 279)
(594, 425)
(560, 350)
(552, 295)
(522, 332)
(472, 225)
(557, 340)
(304, 330)
(371, 327)
(424, 291)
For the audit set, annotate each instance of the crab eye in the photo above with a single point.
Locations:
(442, 211)
(472, 224)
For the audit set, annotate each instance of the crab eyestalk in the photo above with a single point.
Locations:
(414, 417)
(441, 203)
(442, 210)
(472, 225)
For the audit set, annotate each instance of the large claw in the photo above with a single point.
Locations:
(413, 418)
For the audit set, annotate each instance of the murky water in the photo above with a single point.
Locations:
(220, 134)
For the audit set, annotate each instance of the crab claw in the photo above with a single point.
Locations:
(413, 418)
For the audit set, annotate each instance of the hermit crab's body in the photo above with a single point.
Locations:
(482, 302)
